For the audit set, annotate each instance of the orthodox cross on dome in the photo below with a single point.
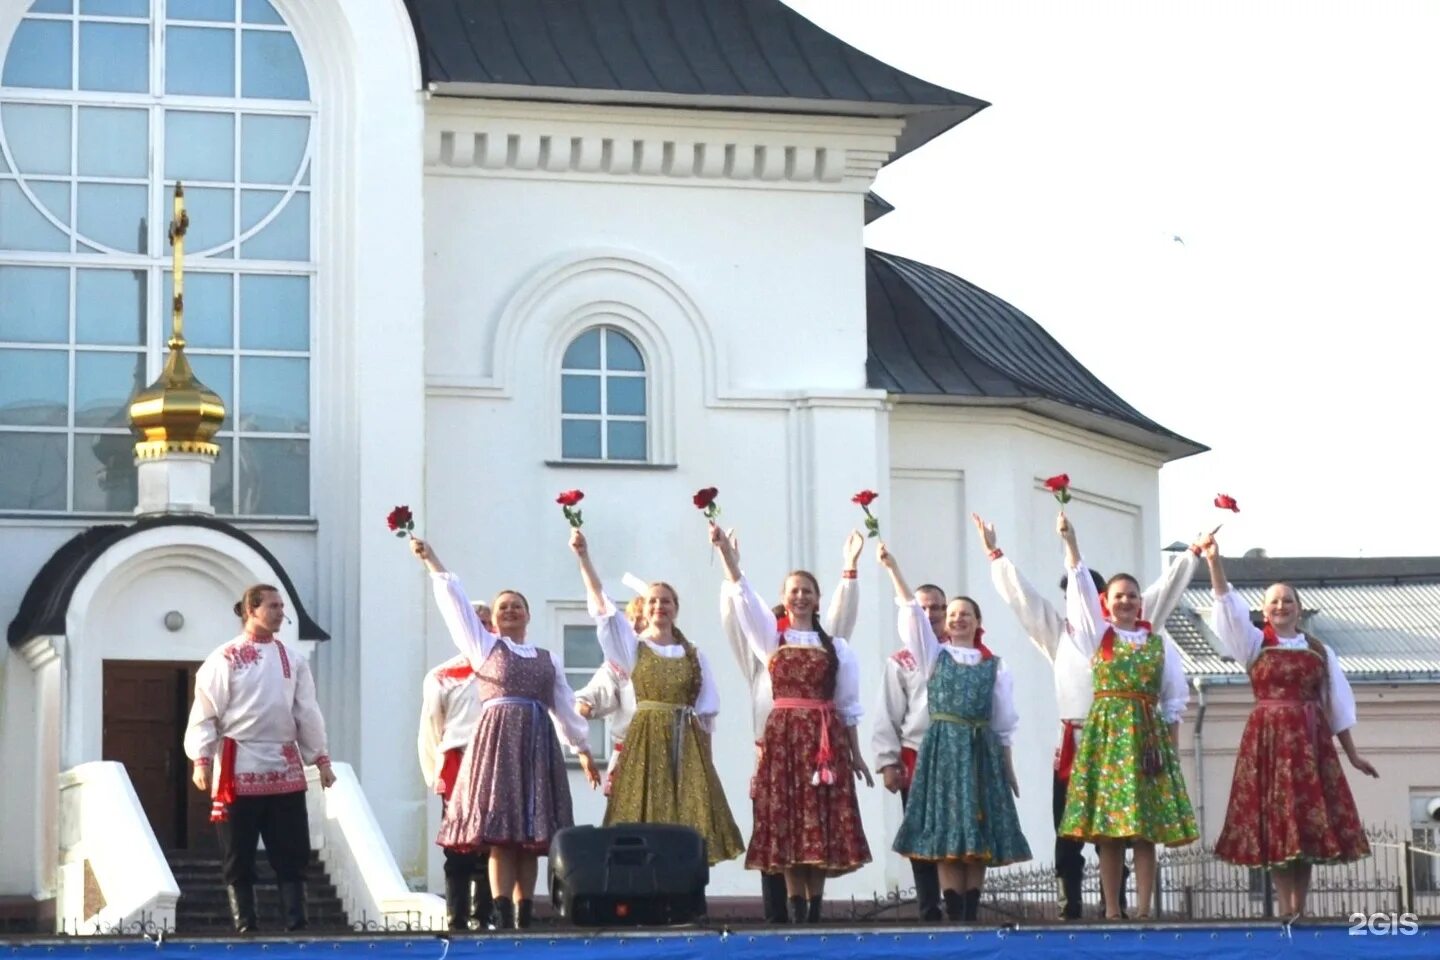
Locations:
(177, 413)
(179, 223)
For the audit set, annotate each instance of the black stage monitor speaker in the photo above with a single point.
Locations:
(628, 874)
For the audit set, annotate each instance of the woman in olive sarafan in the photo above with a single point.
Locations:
(666, 773)
(1126, 784)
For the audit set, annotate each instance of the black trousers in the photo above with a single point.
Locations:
(1070, 857)
(281, 821)
(772, 893)
(927, 878)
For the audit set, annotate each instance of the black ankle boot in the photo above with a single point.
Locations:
(524, 914)
(292, 904)
(480, 906)
(797, 910)
(812, 909)
(972, 905)
(954, 905)
(504, 913)
(457, 903)
(242, 906)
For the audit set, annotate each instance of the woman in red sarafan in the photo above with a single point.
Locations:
(1290, 806)
(807, 818)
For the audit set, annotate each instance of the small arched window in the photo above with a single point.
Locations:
(603, 405)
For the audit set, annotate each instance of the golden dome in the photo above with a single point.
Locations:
(177, 413)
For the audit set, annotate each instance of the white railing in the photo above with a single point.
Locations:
(113, 876)
(359, 862)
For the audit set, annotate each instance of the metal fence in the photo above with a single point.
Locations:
(1400, 876)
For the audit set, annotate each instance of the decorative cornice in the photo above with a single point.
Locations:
(41, 651)
(546, 141)
(159, 449)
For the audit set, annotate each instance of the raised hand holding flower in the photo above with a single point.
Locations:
(401, 521)
(872, 523)
(567, 500)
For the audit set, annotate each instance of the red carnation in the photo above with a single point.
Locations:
(401, 520)
(567, 501)
(704, 499)
(1060, 486)
(872, 523)
(1226, 502)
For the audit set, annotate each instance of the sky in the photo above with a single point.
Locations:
(1293, 147)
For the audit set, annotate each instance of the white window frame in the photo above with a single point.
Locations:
(605, 374)
(156, 264)
(574, 615)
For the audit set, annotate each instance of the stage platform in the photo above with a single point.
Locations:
(867, 942)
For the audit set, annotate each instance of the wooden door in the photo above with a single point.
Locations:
(145, 706)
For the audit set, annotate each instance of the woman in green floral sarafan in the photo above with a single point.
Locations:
(666, 773)
(1126, 784)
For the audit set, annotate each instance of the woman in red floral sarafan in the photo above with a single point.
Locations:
(1290, 807)
(807, 818)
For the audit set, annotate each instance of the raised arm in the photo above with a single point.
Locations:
(912, 624)
(751, 616)
(845, 602)
(1239, 638)
(613, 629)
(1160, 599)
(466, 631)
(1038, 617)
(1082, 603)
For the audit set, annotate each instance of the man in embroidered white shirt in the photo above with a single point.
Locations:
(450, 709)
(903, 719)
(256, 723)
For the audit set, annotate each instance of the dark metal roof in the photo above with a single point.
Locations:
(935, 335)
(725, 54)
(876, 207)
(1325, 571)
(46, 602)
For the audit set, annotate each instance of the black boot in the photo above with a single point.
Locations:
(972, 905)
(480, 906)
(1071, 901)
(927, 891)
(954, 905)
(242, 907)
(797, 910)
(292, 904)
(772, 891)
(504, 913)
(812, 909)
(457, 903)
(524, 914)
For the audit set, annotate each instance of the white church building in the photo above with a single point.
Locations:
(462, 255)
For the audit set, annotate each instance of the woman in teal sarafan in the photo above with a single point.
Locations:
(961, 813)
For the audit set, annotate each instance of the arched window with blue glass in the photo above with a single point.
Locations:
(104, 106)
(603, 406)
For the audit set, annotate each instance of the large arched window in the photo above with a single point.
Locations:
(603, 398)
(104, 105)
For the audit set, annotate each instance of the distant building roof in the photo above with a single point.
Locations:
(935, 335)
(720, 54)
(876, 207)
(46, 602)
(1381, 615)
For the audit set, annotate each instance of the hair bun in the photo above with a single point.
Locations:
(240, 609)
